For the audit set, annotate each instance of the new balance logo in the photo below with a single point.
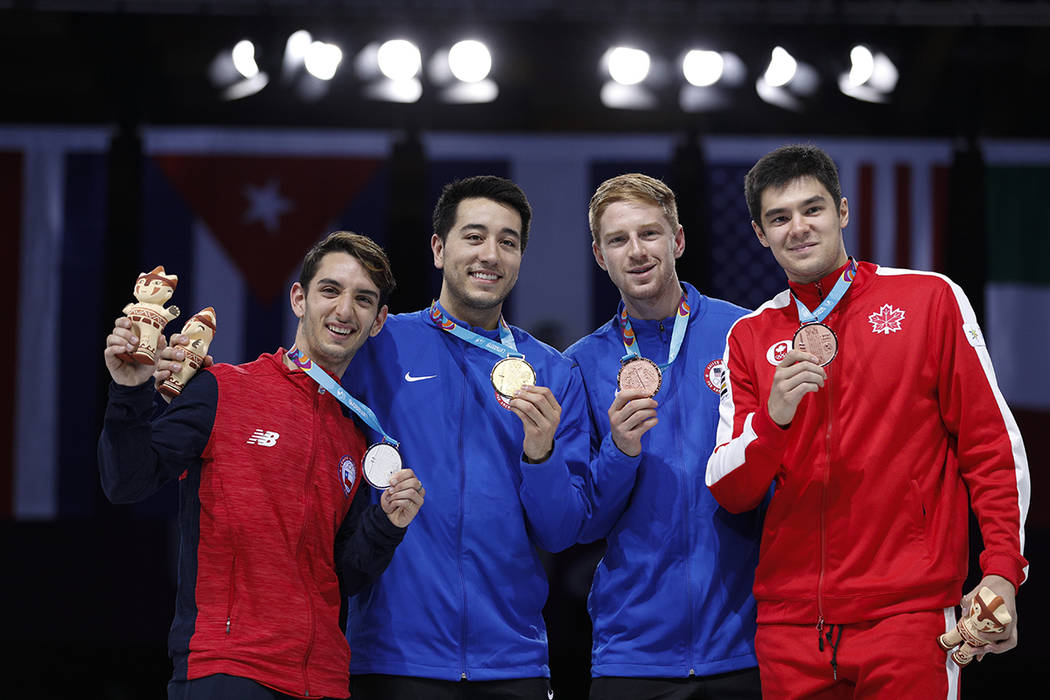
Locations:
(266, 438)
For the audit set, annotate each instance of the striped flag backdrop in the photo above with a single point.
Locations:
(897, 194)
(1017, 297)
(53, 217)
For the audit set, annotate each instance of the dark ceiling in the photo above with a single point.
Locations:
(966, 68)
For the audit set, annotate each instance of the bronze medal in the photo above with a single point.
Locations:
(511, 374)
(817, 339)
(640, 373)
(381, 461)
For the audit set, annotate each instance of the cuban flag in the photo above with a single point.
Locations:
(233, 212)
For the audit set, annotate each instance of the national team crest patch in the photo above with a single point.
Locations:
(886, 320)
(777, 351)
(714, 375)
(974, 334)
(347, 474)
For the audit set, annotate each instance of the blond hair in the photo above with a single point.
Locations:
(632, 187)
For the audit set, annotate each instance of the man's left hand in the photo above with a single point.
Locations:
(404, 498)
(540, 414)
(1007, 639)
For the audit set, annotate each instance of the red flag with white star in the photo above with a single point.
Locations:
(266, 211)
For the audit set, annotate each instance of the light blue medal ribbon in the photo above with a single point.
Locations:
(813, 336)
(325, 380)
(630, 342)
(805, 316)
(505, 348)
(505, 383)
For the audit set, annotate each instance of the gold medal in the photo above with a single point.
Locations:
(640, 373)
(817, 339)
(511, 374)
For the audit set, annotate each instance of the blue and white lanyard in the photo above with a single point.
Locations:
(325, 380)
(505, 348)
(806, 316)
(630, 342)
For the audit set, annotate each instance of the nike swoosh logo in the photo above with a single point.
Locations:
(410, 378)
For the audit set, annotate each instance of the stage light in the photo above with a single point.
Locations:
(469, 61)
(862, 65)
(244, 58)
(703, 68)
(786, 80)
(236, 73)
(294, 52)
(461, 73)
(782, 68)
(399, 59)
(710, 77)
(627, 66)
(872, 76)
(322, 59)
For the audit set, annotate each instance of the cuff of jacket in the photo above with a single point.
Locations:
(1010, 566)
(130, 402)
(385, 532)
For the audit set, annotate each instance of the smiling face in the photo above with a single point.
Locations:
(802, 225)
(152, 289)
(338, 311)
(479, 260)
(638, 247)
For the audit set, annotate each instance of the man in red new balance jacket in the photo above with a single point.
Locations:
(275, 527)
(876, 425)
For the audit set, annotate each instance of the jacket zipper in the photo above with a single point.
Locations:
(230, 595)
(459, 556)
(829, 404)
(688, 535)
(302, 539)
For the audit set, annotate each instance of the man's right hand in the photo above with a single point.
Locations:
(797, 375)
(631, 415)
(122, 340)
(170, 359)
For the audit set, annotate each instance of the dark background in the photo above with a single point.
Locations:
(88, 601)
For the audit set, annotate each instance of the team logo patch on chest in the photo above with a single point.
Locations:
(714, 375)
(777, 351)
(347, 474)
(886, 320)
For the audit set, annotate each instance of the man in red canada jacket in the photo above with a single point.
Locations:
(866, 395)
(275, 527)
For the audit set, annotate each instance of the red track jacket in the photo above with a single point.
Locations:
(869, 517)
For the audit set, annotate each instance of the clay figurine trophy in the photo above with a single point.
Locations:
(988, 615)
(148, 316)
(200, 329)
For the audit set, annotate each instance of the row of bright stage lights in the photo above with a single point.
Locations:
(391, 73)
(390, 70)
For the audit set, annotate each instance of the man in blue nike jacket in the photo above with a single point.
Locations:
(458, 613)
(671, 604)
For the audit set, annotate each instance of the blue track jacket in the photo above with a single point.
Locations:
(464, 594)
(672, 595)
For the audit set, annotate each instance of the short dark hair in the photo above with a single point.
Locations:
(364, 249)
(498, 189)
(785, 165)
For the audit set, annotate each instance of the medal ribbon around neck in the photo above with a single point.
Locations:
(506, 347)
(630, 343)
(837, 292)
(325, 380)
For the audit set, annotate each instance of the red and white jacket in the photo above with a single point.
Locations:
(869, 517)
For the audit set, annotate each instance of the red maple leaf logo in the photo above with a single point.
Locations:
(886, 320)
